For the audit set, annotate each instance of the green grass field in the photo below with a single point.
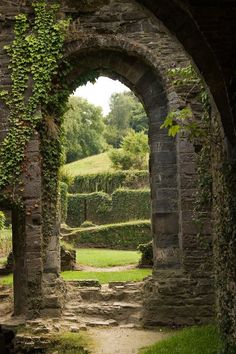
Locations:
(3, 261)
(106, 277)
(106, 258)
(70, 343)
(93, 164)
(102, 277)
(194, 340)
(102, 258)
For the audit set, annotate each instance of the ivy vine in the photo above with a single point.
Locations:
(199, 132)
(34, 54)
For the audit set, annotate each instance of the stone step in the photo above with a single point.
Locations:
(95, 295)
(101, 323)
(119, 311)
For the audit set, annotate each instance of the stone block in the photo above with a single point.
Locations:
(166, 223)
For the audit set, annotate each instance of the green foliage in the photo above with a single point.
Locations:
(63, 201)
(121, 160)
(69, 343)
(108, 182)
(83, 126)
(87, 224)
(2, 220)
(34, 56)
(199, 132)
(178, 121)
(126, 112)
(194, 340)
(87, 207)
(5, 242)
(133, 152)
(116, 236)
(104, 258)
(66, 177)
(107, 277)
(101, 208)
(146, 251)
(102, 277)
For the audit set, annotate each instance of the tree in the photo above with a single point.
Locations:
(133, 153)
(126, 112)
(84, 127)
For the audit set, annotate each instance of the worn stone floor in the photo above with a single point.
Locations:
(120, 340)
(110, 314)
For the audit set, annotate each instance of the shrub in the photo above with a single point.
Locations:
(115, 236)
(108, 182)
(66, 177)
(83, 207)
(100, 208)
(146, 250)
(87, 224)
(133, 153)
(121, 160)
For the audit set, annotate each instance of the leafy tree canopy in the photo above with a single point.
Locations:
(133, 153)
(126, 112)
(84, 127)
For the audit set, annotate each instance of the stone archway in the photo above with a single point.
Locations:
(181, 263)
(139, 52)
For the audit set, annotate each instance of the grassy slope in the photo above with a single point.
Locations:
(93, 164)
(102, 277)
(106, 258)
(195, 340)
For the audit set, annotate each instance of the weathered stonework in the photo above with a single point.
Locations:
(121, 39)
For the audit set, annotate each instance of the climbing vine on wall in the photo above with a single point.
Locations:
(199, 132)
(34, 57)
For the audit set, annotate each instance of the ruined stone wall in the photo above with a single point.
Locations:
(121, 40)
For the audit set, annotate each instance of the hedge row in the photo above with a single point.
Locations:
(110, 181)
(101, 208)
(116, 236)
(63, 190)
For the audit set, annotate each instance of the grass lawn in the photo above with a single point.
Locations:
(6, 279)
(106, 277)
(89, 165)
(102, 277)
(70, 343)
(3, 261)
(103, 258)
(194, 340)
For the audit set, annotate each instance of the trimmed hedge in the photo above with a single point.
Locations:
(63, 190)
(110, 181)
(100, 208)
(146, 250)
(115, 236)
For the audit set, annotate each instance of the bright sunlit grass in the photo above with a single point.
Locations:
(6, 280)
(102, 277)
(3, 261)
(106, 277)
(194, 340)
(90, 165)
(106, 258)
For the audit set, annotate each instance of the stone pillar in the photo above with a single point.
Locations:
(27, 237)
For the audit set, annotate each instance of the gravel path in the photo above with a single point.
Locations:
(107, 269)
(120, 340)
